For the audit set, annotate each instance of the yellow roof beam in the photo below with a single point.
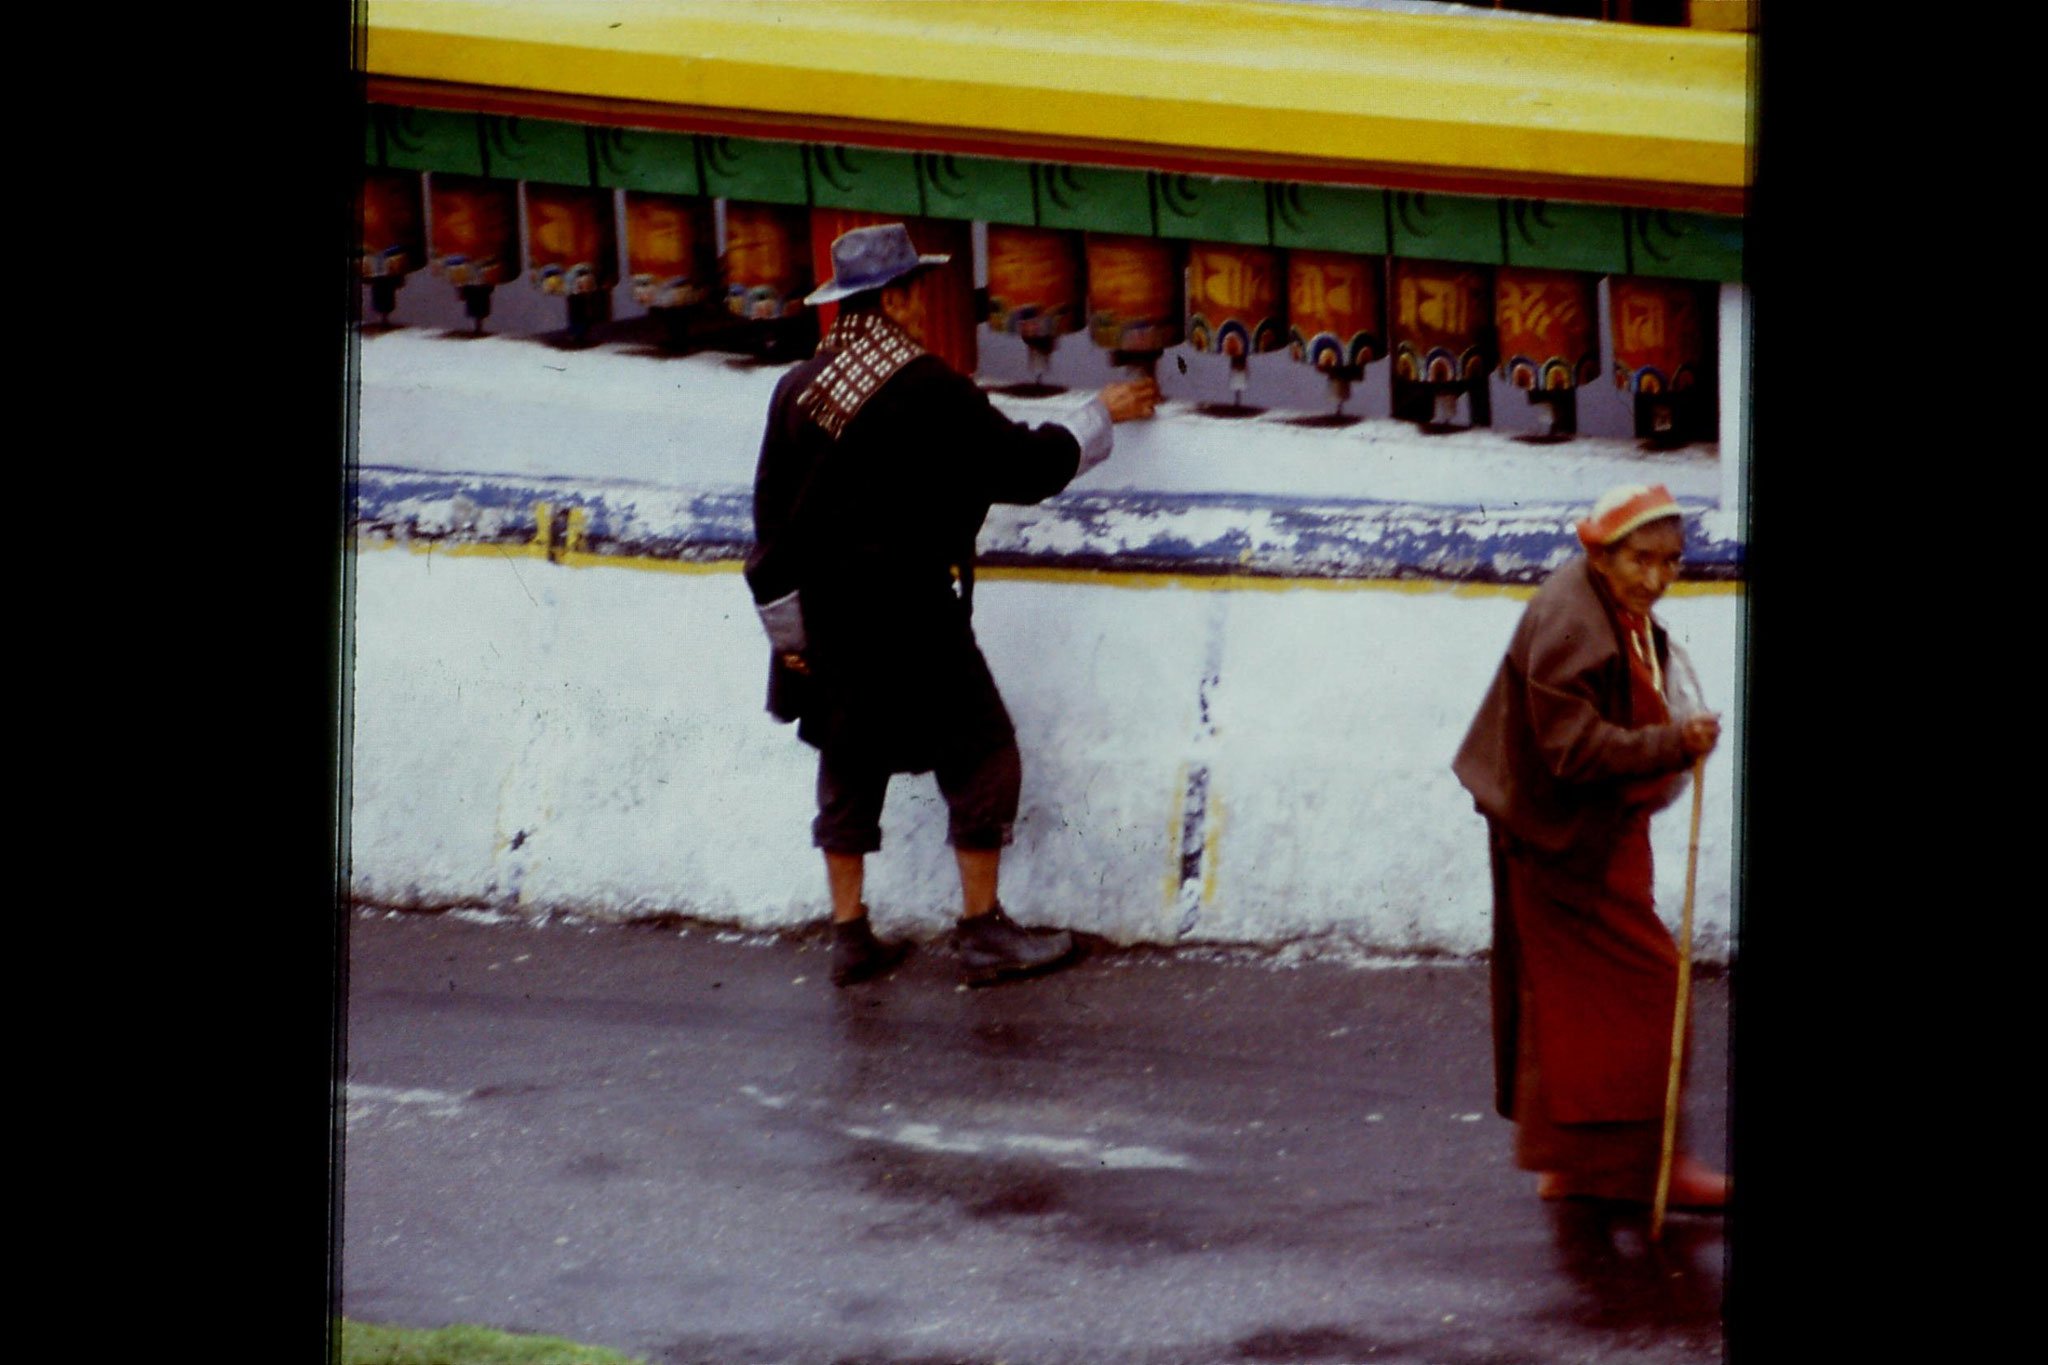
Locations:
(1513, 104)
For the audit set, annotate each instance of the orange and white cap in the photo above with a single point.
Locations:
(1621, 510)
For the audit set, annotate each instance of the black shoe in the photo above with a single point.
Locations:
(992, 947)
(857, 955)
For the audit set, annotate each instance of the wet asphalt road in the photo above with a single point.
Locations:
(689, 1146)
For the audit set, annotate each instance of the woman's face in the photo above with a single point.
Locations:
(1640, 566)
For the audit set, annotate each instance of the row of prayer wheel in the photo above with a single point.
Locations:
(1445, 324)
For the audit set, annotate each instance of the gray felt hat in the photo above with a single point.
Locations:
(868, 258)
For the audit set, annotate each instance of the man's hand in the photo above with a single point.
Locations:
(1700, 733)
(795, 663)
(1130, 400)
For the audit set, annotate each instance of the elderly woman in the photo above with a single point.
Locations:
(1574, 747)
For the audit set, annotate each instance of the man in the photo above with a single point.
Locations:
(878, 467)
(1577, 742)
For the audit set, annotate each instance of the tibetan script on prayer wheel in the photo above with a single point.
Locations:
(1134, 292)
(1034, 281)
(570, 240)
(1440, 313)
(1335, 309)
(767, 264)
(1235, 302)
(670, 248)
(476, 229)
(1661, 336)
(1548, 324)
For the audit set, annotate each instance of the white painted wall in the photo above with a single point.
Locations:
(608, 721)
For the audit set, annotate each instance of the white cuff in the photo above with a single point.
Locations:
(1091, 427)
(784, 621)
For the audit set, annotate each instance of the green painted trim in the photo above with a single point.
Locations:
(657, 163)
(1553, 235)
(977, 188)
(1329, 218)
(538, 149)
(429, 140)
(863, 178)
(1446, 227)
(1213, 209)
(1685, 246)
(760, 172)
(1091, 199)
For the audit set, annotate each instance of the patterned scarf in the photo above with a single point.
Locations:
(866, 348)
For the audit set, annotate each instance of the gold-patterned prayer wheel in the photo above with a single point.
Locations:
(1663, 355)
(767, 265)
(1440, 313)
(1134, 296)
(671, 249)
(1034, 282)
(394, 237)
(475, 237)
(1336, 314)
(946, 291)
(672, 254)
(572, 249)
(767, 272)
(1035, 292)
(1548, 325)
(1236, 302)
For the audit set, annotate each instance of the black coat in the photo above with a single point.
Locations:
(871, 545)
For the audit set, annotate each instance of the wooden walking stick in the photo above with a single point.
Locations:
(1692, 863)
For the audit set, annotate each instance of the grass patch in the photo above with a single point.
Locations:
(365, 1343)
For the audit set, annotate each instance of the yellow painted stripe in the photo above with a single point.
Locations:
(1491, 95)
(1108, 578)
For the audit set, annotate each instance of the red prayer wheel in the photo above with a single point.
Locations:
(1661, 338)
(671, 248)
(1236, 305)
(1335, 310)
(1134, 292)
(767, 264)
(1034, 282)
(394, 237)
(1548, 324)
(1440, 316)
(475, 237)
(571, 244)
(947, 291)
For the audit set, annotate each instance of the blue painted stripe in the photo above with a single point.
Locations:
(1142, 532)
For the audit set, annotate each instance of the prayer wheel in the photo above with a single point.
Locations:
(1034, 289)
(1336, 311)
(1548, 325)
(1663, 350)
(1441, 312)
(767, 273)
(394, 238)
(573, 249)
(1134, 297)
(1236, 304)
(672, 251)
(946, 291)
(475, 237)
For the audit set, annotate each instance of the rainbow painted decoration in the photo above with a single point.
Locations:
(1440, 314)
(1661, 340)
(1134, 292)
(1235, 302)
(767, 264)
(671, 249)
(1034, 282)
(475, 229)
(1548, 324)
(571, 244)
(1335, 310)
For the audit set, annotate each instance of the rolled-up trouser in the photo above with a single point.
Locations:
(981, 802)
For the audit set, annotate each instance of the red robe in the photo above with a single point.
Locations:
(1571, 751)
